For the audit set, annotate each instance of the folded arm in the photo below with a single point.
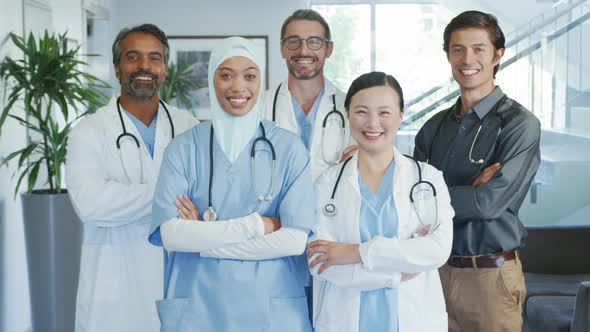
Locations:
(416, 254)
(274, 242)
(284, 242)
(352, 275)
(97, 198)
(198, 236)
(519, 156)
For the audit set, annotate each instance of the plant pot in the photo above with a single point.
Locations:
(53, 235)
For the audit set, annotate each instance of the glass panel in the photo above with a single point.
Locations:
(409, 40)
(351, 30)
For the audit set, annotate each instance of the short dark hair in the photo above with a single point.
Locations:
(144, 28)
(476, 19)
(308, 15)
(372, 79)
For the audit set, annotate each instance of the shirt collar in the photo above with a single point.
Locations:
(484, 106)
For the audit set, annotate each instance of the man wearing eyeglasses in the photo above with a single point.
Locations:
(307, 103)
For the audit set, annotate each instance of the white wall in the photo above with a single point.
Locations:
(14, 303)
(223, 17)
(14, 308)
(18, 16)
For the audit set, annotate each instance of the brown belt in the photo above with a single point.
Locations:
(491, 260)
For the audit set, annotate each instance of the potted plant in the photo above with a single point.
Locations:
(178, 85)
(46, 91)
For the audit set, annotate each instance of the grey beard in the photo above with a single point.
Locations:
(141, 95)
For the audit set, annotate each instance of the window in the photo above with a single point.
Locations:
(544, 68)
(350, 26)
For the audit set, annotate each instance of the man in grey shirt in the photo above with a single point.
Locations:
(487, 146)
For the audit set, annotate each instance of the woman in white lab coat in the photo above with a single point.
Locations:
(375, 256)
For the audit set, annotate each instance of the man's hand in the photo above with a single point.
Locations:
(346, 153)
(422, 231)
(186, 209)
(409, 276)
(487, 174)
(332, 253)
(271, 224)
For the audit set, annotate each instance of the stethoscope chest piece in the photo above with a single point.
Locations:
(330, 210)
(210, 214)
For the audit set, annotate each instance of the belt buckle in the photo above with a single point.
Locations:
(499, 261)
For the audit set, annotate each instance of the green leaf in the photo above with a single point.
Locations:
(12, 99)
(11, 156)
(33, 177)
(18, 41)
(24, 172)
(25, 153)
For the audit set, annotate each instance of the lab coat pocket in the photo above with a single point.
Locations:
(289, 314)
(174, 314)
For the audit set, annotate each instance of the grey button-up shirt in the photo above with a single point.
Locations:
(486, 217)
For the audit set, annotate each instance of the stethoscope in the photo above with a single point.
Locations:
(130, 135)
(492, 115)
(210, 214)
(333, 112)
(330, 208)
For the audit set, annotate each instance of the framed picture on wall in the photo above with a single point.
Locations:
(193, 52)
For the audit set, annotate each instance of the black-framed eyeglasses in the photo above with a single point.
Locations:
(313, 43)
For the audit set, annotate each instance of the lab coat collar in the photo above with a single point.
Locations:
(402, 162)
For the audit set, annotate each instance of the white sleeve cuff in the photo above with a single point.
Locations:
(396, 279)
(257, 224)
(364, 251)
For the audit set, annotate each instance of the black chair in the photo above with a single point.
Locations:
(556, 262)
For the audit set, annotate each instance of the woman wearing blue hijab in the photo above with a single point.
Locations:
(237, 271)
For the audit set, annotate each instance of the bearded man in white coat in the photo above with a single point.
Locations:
(113, 160)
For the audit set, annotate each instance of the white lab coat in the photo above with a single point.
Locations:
(285, 118)
(121, 274)
(337, 290)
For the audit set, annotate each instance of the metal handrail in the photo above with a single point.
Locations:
(533, 47)
(511, 42)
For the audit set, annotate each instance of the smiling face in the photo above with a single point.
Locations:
(472, 57)
(237, 84)
(375, 116)
(141, 70)
(303, 63)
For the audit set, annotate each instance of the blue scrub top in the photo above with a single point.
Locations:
(306, 121)
(210, 294)
(378, 308)
(148, 134)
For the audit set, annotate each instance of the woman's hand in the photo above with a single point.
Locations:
(271, 224)
(348, 152)
(332, 253)
(186, 209)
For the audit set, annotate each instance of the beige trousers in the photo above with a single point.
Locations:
(484, 299)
